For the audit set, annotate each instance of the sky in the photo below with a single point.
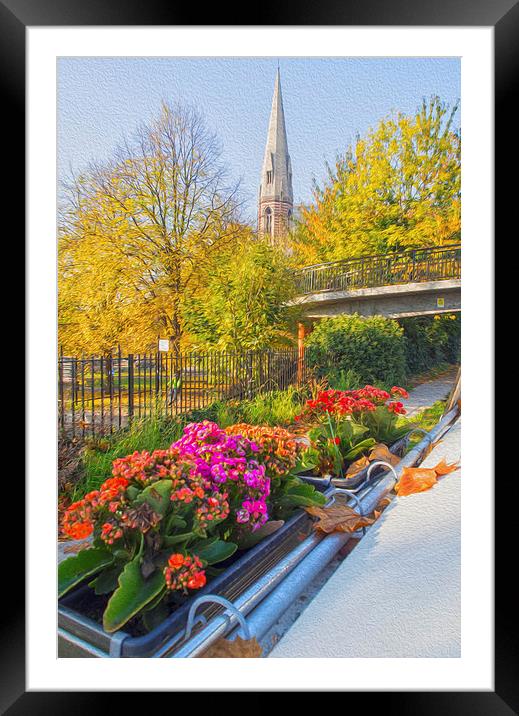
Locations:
(327, 101)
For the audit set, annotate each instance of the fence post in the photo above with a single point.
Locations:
(61, 391)
(130, 387)
(249, 375)
(301, 332)
(157, 379)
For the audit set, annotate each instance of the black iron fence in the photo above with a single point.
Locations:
(416, 265)
(101, 394)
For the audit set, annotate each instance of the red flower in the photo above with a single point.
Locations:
(183, 572)
(397, 408)
(197, 581)
(396, 390)
(176, 560)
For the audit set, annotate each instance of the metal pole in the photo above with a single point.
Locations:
(248, 600)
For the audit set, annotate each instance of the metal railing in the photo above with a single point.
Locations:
(410, 266)
(101, 394)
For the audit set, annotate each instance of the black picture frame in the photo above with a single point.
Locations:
(503, 15)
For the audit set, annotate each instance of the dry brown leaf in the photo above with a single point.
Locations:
(379, 509)
(338, 518)
(76, 547)
(380, 451)
(357, 466)
(443, 468)
(237, 649)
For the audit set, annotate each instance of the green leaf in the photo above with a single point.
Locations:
(132, 594)
(216, 551)
(175, 539)
(132, 492)
(303, 501)
(303, 495)
(252, 538)
(359, 448)
(308, 460)
(154, 602)
(157, 495)
(174, 521)
(153, 617)
(107, 581)
(75, 569)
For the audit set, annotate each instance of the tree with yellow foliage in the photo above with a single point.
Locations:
(244, 299)
(397, 188)
(136, 232)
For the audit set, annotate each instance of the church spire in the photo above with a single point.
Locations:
(276, 198)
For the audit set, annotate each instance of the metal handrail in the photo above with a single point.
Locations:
(410, 265)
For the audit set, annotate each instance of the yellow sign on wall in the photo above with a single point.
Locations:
(440, 303)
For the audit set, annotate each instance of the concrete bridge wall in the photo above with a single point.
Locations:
(399, 301)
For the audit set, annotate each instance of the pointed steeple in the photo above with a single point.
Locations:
(276, 174)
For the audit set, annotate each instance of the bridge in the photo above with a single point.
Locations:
(416, 282)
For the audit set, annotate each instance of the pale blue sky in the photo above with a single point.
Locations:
(327, 102)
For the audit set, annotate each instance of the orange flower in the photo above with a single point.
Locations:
(79, 530)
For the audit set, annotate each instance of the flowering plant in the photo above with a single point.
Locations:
(164, 517)
(281, 452)
(277, 447)
(349, 422)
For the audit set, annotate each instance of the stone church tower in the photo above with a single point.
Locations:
(276, 202)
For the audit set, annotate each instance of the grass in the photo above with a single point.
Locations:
(99, 453)
(426, 420)
(278, 407)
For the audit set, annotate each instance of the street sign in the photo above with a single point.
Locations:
(163, 345)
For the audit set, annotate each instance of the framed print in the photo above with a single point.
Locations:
(244, 353)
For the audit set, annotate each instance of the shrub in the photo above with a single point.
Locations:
(373, 348)
(344, 379)
(431, 341)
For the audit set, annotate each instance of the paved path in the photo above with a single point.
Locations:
(404, 578)
(428, 393)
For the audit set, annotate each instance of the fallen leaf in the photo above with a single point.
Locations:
(443, 468)
(237, 649)
(357, 466)
(379, 509)
(419, 479)
(338, 518)
(415, 479)
(380, 451)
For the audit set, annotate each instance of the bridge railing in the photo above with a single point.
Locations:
(410, 266)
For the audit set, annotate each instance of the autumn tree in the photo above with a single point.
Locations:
(244, 299)
(396, 188)
(136, 232)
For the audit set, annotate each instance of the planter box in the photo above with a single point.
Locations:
(239, 571)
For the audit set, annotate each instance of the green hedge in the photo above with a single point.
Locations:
(374, 348)
(431, 341)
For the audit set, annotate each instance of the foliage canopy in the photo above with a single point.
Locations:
(397, 188)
